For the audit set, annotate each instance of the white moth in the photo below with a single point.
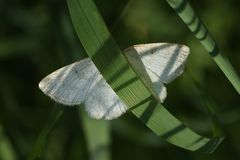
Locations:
(81, 82)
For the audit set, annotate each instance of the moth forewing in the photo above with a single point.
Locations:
(157, 64)
(81, 83)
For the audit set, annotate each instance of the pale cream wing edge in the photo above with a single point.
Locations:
(157, 64)
(79, 83)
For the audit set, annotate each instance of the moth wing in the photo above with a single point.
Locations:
(158, 64)
(159, 90)
(69, 85)
(102, 102)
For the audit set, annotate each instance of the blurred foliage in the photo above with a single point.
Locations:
(37, 37)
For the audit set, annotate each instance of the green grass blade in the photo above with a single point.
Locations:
(123, 13)
(189, 17)
(97, 133)
(6, 150)
(110, 61)
(40, 144)
(12, 46)
(99, 146)
(209, 105)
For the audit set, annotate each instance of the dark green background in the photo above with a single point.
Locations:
(37, 37)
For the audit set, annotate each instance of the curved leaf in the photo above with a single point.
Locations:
(110, 61)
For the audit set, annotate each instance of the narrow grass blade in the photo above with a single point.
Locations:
(99, 146)
(6, 150)
(123, 13)
(97, 133)
(16, 45)
(209, 105)
(189, 17)
(40, 144)
(110, 61)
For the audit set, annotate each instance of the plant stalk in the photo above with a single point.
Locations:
(189, 17)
